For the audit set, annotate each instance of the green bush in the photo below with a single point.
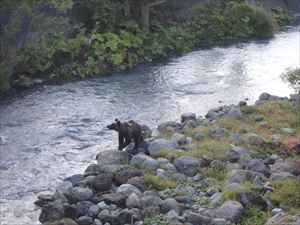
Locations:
(254, 215)
(282, 17)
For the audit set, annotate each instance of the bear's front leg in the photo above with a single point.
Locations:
(121, 142)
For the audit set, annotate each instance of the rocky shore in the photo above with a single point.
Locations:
(238, 165)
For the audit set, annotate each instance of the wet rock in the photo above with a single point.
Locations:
(81, 193)
(180, 139)
(230, 210)
(236, 139)
(117, 199)
(124, 175)
(212, 115)
(138, 182)
(105, 217)
(64, 221)
(43, 200)
(75, 179)
(111, 158)
(83, 208)
(84, 220)
(127, 189)
(71, 212)
(102, 182)
(187, 165)
(51, 212)
(170, 125)
(170, 204)
(242, 103)
(24, 82)
(93, 169)
(144, 162)
(257, 166)
(94, 210)
(197, 219)
(250, 197)
(254, 139)
(188, 116)
(158, 144)
(133, 201)
(283, 218)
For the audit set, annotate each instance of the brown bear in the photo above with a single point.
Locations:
(127, 131)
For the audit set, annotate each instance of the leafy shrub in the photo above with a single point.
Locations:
(159, 183)
(254, 215)
(283, 17)
(292, 77)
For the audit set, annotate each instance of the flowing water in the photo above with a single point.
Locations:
(56, 131)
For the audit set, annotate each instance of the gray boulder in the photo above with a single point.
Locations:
(138, 182)
(122, 176)
(237, 139)
(230, 210)
(143, 161)
(133, 201)
(50, 212)
(127, 189)
(241, 176)
(264, 96)
(170, 204)
(81, 193)
(187, 165)
(235, 113)
(254, 139)
(218, 221)
(102, 182)
(251, 198)
(188, 116)
(257, 166)
(117, 199)
(285, 166)
(159, 144)
(198, 137)
(197, 219)
(180, 139)
(111, 158)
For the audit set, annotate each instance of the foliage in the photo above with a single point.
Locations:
(157, 219)
(292, 77)
(217, 173)
(287, 194)
(159, 183)
(254, 215)
(283, 17)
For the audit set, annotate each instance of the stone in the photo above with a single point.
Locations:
(93, 169)
(296, 148)
(230, 210)
(212, 191)
(127, 189)
(83, 207)
(235, 113)
(285, 166)
(84, 220)
(288, 131)
(255, 139)
(124, 175)
(282, 176)
(190, 124)
(71, 212)
(275, 140)
(187, 116)
(64, 187)
(198, 137)
(144, 162)
(150, 200)
(276, 211)
(238, 154)
(218, 132)
(102, 182)
(94, 210)
(197, 219)
(257, 166)
(105, 217)
(170, 204)
(172, 215)
(242, 103)
(241, 176)
(212, 115)
(138, 182)
(264, 96)
(75, 179)
(81, 193)
(215, 200)
(158, 144)
(111, 158)
(133, 201)
(23, 82)
(117, 199)
(237, 139)
(271, 159)
(51, 212)
(187, 165)
(97, 222)
(284, 219)
(218, 221)
(217, 164)
(64, 221)
(250, 197)
(102, 205)
(180, 139)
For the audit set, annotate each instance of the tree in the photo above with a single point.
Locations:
(145, 11)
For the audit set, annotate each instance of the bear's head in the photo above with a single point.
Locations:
(115, 125)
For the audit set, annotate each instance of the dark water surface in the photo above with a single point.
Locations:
(56, 131)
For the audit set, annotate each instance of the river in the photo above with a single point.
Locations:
(56, 131)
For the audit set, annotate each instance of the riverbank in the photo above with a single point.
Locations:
(238, 165)
(94, 51)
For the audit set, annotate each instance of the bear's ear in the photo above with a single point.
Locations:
(116, 120)
(119, 123)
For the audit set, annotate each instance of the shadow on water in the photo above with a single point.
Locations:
(56, 131)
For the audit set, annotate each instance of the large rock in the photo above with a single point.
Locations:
(197, 219)
(180, 139)
(143, 161)
(133, 201)
(230, 210)
(159, 144)
(236, 139)
(188, 116)
(111, 158)
(93, 169)
(117, 199)
(84, 220)
(264, 96)
(241, 176)
(138, 182)
(236, 153)
(170, 204)
(257, 166)
(187, 165)
(64, 221)
(124, 175)
(150, 200)
(255, 139)
(75, 179)
(235, 113)
(282, 218)
(102, 182)
(127, 189)
(51, 212)
(285, 166)
(81, 193)
(251, 198)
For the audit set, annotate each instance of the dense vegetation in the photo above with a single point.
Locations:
(109, 36)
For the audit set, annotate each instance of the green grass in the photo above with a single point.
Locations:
(287, 194)
(159, 183)
(217, 173)
(254, 215)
